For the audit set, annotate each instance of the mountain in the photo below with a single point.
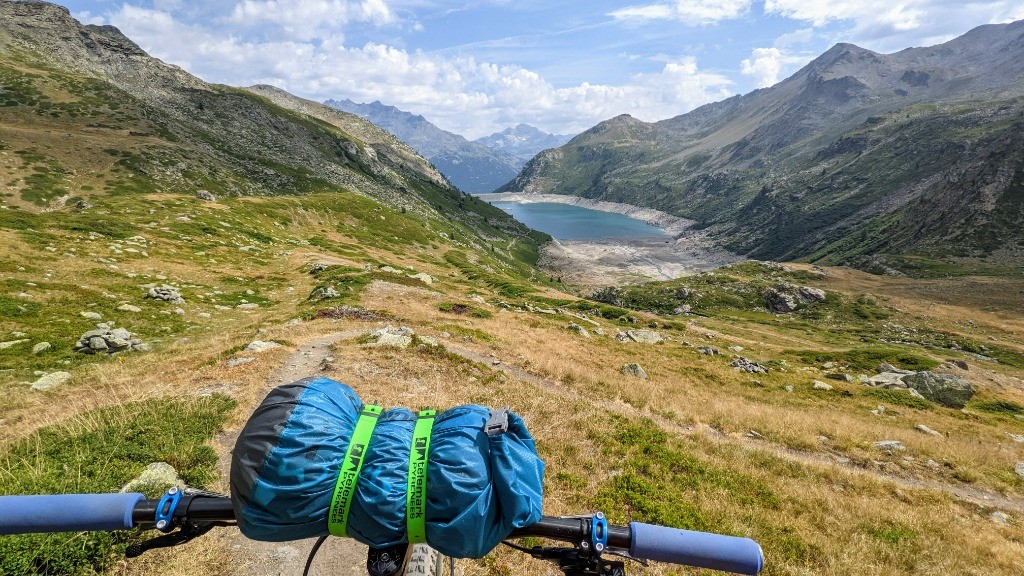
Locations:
(85, 114)
(471, 166)
(856, 154)
(523, 142)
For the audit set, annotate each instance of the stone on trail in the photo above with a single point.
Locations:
(48, 381)
(634, 370)
(945, 389)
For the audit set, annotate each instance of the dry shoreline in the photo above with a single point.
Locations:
(626, 260)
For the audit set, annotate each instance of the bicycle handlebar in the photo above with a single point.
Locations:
(67, 513)
(82, 512)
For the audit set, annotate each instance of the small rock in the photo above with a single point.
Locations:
(98, 343)
(1000, 518)
(324, 293)
(736, 348)
(742, 364)
(708, 350)
(41, 347)
(1015, 437)
(574, 327)
(886, 367)
(129, 308)
(166, 294)
(889, 446)
(50, 381)
(754, 434)
(232, 362)
(819, 385)
(477, 298)
(6, 345)
(644, 336)
(842, 377)
(789, 389)
(155, 480)
(429, 341)
(1019, 469)
(261, 346)
(927, 430)
(206, 196)
(91, 315)
(387, 339)
(246, 306)
(423, 277)
(634, 370)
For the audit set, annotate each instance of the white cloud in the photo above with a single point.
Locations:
(690, 12)
(87, 17)
(766, 65)
(458, 93)
(885, 25)
(309, 19)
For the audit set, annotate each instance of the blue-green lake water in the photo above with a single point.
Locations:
(568, 222)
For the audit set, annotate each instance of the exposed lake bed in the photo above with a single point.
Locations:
(617, 254)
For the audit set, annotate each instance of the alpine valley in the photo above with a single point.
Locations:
(171, 250)
(858, 158)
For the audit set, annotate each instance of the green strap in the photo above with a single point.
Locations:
(416, 495)
(351, 465)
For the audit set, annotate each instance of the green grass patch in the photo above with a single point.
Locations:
(99, 452)
(868, 358)
(999, 407)
(898, 398)
(662, 482)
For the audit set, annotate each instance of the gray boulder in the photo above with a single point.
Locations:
(1019, 469)
(890, 446)
(324, 293)
(708, 350)
(779, 302)
(206, 196)
(945, 389)
(634, 370)
(48, 381)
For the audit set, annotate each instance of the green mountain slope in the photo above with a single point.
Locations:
(86, 115)
(856, 154)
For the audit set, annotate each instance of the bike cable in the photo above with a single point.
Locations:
(316, 547)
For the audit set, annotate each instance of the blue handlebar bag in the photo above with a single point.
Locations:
(287, 458)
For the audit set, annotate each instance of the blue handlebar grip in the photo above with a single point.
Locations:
(700, 549)
(66, 513)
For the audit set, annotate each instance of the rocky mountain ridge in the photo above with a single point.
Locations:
(854, 155)
(523, 141)
(475, 166)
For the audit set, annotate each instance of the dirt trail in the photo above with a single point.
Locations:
(338, 556)
(346, 556)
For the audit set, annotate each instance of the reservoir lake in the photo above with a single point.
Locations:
(568, 222)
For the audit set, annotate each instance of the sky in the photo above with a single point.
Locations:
(478, 67)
